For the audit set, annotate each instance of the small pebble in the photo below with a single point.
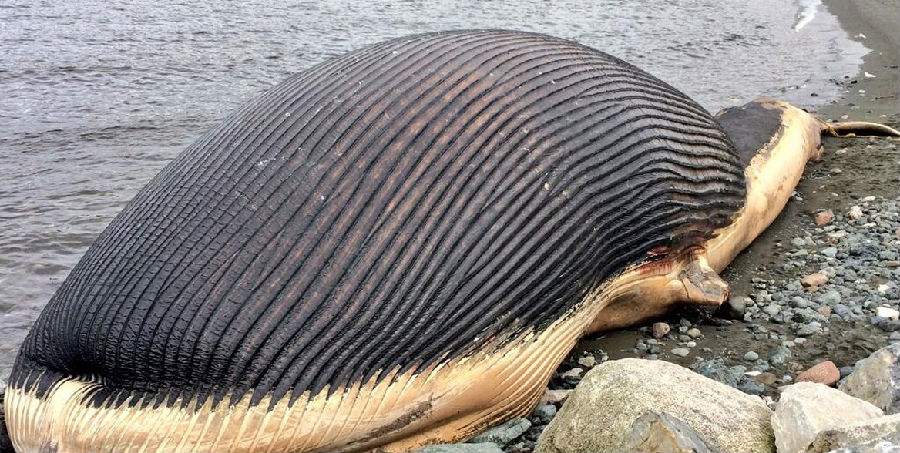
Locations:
(587, 361)
(765, 378)
(660, 329)
(824, 217)
(779, 355)
(681, 352)
(887, 312)
(545, 412)
(823, 373)
(845, 371)
(574, 373)
(816, 279)
(751, 356)
(555, 396)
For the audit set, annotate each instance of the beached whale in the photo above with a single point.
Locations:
(397, 247)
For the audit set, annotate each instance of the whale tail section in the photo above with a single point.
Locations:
(858, 129)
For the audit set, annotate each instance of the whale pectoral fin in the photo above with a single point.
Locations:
(701, 284)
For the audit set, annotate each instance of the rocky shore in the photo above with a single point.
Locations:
(651, 406)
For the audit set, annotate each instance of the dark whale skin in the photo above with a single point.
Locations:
(391, 208)
(750, 127)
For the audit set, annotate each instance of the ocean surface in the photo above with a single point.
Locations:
(97, 95)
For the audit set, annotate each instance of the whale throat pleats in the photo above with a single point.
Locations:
(388, 210)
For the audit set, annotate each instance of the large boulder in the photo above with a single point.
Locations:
(860, 435)
(876, 379)
(807, 409)
(599, 414)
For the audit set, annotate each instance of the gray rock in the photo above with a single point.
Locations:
(654, 432)
(751, 356)
(845, 371)
(681, 352)
(751, 387)
(886, 324)
(598, 415)
(806, 409)
(716, 370)
(800, 302)
(876, 379)
(868, 432)
(574, 374)
(779, 355)
(807, 315)
(888, 255)
(587, 361)
(545, 412)
(738, 306)
(842, 310)
(830, 252)
(484, 447)
(504, 433)
(810, 328)
(831, 297)
(555, 396)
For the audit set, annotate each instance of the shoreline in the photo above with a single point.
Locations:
(874, 24)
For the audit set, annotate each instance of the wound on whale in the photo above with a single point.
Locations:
(392, 248)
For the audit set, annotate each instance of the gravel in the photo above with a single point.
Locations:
(854, 253)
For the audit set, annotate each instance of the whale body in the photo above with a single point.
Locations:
(392, 248)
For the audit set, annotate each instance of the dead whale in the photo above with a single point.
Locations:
(396, 247)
